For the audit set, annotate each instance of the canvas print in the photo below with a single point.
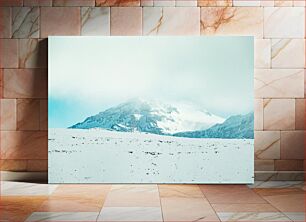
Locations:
(151, 110)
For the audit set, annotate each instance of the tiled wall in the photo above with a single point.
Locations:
(279, 28)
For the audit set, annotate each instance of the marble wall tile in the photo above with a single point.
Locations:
(32, 53)
(73, 2)
(51, 17)
(292, 145)
(299, 3)
(126, 21)
(4, 3)
(279, 83)
(212, 3)
(95, 21)
(267, 3)
(37, 165)
(28, 114)
(43, 114)
(300, 114)
(258, 114)
(284, 3)
(279, 114)
(289, 165)
(164, 3)
(264, 165)
(118, 2)
(146, 3)
(25, 83)
(25, 22)
(232, 21)
(23, 144)
(13, 165)
(8, 114)
(262, 53)
(288, 53)
(37, 2)
(267, 145)
(246, 3)
(171, 21)
(284, 22)
(5, 22)
(186, 3)
(8, 53)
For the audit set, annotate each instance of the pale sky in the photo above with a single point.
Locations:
(90, 74)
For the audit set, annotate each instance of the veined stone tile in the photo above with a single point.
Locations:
(5, 22)
(263, 207)
(289, 165)
(51, 17)
(186, 3)
(212, 3)
(63, 216)
(146, 2)
(13, 165)
(171, 21)
(163, 3)
(22, 144)
(32, 53)
(279, 83)
(267, 144)
(300, 114)
(279, 114)
(180, 191)
(253, 216)
(9, 188)
(126, 21)
(25, 22)
(8, 114)
(73, 2)
(43, 114)
(8, 53)
(262, 53)
(277, 184)
(95, 21)
(37, 165)
(232, 21)
(279, 3)
(295, 216)
(292, 145)
(279, 176)
(25, 83)
(264, 165)
(246, 3)
(5, 3)
(288, 53)
(284, 22)
(28, 114)
(304, 83)
(118, 3)
(267, 3)
(258, 114)
(37, 2)
(299, 3)
(1, 83)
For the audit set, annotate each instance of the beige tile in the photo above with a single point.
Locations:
(264, 165)
(289, 165)
(300, 114)
(5, 22)
(279, 83)
(299, 3)
(25, 83)
(33, 53)
(246, 3)
(304, 83)
(258, 114)
(163, 3)
(73, 2)
(160, 21)
(37, 2)
(51, 17)
(126, 21)
(43, 114)
(263, 207)
(267, 3)
(37, 165)
(27, 114)
(133, 196)
(283, 3)
(8, 114)
(25, 22)
(288, 53)
(292, 144)
(4, 3)
(146, 3)
(182, 191)
(279, 114)
(232, 21)
(267, 145)
(253, 216)
(13, 165)
(262, 53)
(1, 83)
(122, 3)
(8, 53)
(95, 21)
(211, 3)
(24, 145)
(187, 209)
(186, 3)
(284, 22)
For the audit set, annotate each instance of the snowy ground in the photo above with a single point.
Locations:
(101, 156)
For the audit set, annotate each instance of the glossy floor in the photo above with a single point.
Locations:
(263, 201)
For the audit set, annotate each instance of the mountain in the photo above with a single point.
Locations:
(239, 127)
(152, 117)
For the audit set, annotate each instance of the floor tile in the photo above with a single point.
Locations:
(230, 194)
(133, 196)
(296, 216)
(63, 216)
(9, 188)
(277, 184)
(187, 209)
(190, 191)
(252, 217)
(18, 208)
(130, 214)
(244, 207)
